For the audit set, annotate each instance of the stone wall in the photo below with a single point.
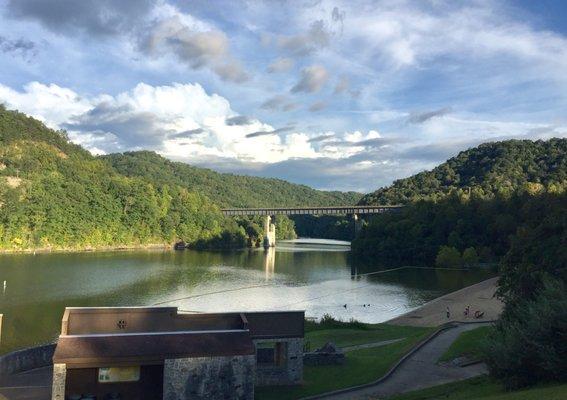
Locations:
(24, 360)
(59, 378)
(215, 378)
(290, 373)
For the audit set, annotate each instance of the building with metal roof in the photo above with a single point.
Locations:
(159, 352)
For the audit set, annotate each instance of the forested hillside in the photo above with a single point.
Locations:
(486, 170)
(226, 189)
(54, 194)
(503, 204)
(474, 202)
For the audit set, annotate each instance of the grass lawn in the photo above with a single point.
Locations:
(486, 389)
(344, 337)
(361, 366)
(467, 344)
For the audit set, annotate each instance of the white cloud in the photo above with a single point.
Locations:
(181, 121)
(411, 34)
(51, 104)
(184, 122)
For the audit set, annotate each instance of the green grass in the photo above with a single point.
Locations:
(486, 389)
(361, 366)
(467, 344)
(344, 337)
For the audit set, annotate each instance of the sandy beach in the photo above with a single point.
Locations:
(479, 297)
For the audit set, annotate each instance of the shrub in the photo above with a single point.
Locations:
(470, 257)
(529, 343)
(448, 257)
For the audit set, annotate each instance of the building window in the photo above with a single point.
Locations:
(271, 354)
(118, 374)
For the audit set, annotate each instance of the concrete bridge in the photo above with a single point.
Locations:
(270, 228)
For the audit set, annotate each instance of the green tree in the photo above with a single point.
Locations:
(448, 257)
(470, 257)
(529, 343)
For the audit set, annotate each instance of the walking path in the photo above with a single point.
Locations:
(420, 370)
(29, 385)
(371, 345)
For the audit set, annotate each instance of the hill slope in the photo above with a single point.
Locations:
(56, 195)
(227, 190)
(491, 168)
(474, 207)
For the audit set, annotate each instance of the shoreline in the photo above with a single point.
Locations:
(130, 247)
(480, 296)
(48, 250)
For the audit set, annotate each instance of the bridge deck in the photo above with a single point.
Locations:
(339, 210)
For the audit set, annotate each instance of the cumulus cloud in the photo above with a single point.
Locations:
(159, 118)
(128, 127)
(420, 118)
(312, 79)
(51, 104)
(283, 64)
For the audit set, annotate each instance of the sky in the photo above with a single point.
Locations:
(338, 95)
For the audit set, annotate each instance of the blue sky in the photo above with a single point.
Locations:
(345, 95)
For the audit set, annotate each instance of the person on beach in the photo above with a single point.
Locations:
(448, 313)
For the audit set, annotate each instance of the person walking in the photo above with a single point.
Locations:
(448, 313)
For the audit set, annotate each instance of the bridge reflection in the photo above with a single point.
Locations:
(269, 263)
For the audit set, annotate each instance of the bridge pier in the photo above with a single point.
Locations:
(269, 232)
(357, 224)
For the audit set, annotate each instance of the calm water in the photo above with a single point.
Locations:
(314, 276)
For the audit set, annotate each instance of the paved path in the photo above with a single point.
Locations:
(420, 370)
(370, 345)
(29, 385)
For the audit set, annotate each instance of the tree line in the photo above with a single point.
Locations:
(56, 195)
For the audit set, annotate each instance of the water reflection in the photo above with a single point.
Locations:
(312, 276)
(270, 262)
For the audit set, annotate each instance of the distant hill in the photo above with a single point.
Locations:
(224, 189)
(56, 195)
(498, 201)
(491, 168)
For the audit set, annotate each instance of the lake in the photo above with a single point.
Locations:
(311, 275)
